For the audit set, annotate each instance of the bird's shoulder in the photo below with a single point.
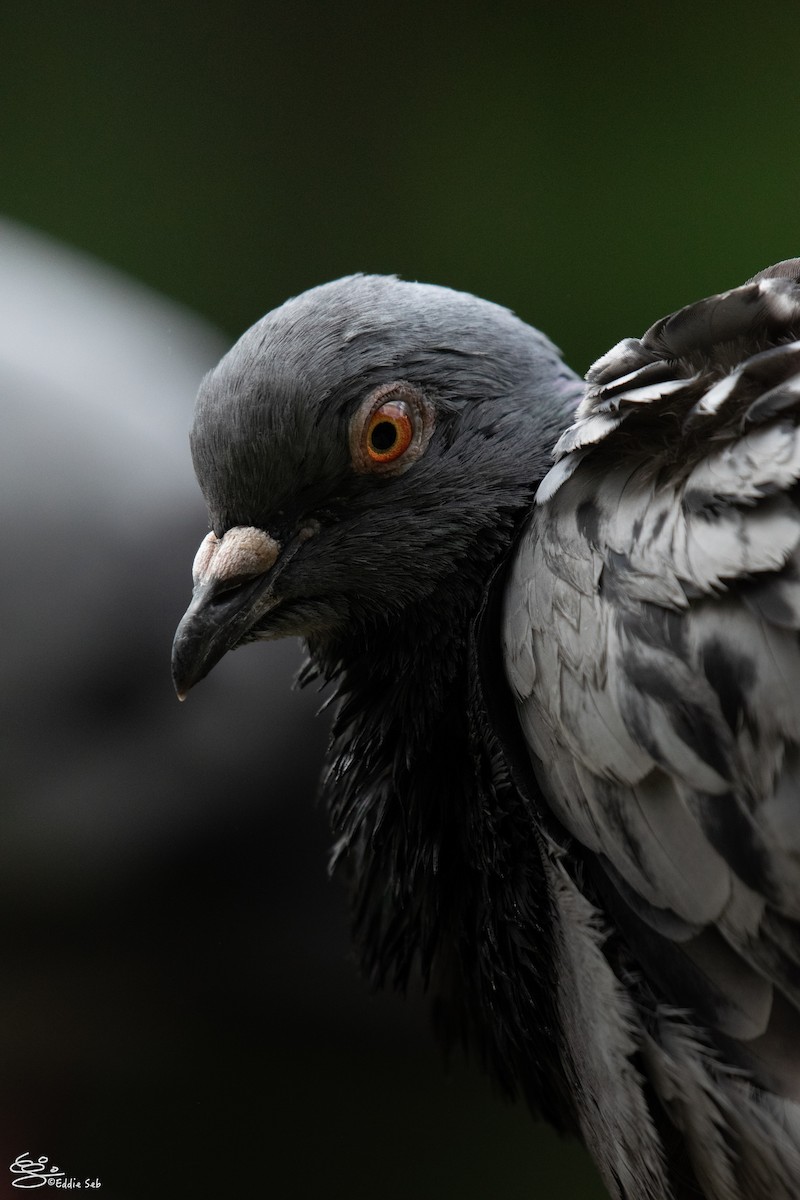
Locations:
(650, 640)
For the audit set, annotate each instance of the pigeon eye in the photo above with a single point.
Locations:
(389, 432)
(390, 429)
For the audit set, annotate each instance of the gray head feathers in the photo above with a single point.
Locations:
(270, 416)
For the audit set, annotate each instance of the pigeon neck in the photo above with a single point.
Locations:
(437, 842)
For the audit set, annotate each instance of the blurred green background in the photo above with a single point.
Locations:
(591, 167)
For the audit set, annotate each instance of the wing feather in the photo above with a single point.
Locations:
(652, 641)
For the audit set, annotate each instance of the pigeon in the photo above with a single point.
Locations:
(561, 620)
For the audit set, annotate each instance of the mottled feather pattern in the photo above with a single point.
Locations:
(658, 684)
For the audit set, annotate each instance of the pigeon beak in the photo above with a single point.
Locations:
(233, 589)
(213, 624)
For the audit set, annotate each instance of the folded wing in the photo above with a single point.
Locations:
(651, 640)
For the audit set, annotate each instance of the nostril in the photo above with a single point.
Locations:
(239, 555)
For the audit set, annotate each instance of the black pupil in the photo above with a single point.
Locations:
(383, 436)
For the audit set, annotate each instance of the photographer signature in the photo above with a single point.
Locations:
(34, 1173)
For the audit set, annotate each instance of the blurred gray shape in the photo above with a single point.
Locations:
(102, 770)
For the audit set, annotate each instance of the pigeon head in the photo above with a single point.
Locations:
(360, 448)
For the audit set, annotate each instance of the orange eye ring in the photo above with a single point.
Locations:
(390, 429)
(389, 432)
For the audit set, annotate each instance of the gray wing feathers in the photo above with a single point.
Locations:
(651, 640)
(614, 1119)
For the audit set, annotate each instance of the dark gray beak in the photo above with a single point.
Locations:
(233, 590)
(214, 623)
